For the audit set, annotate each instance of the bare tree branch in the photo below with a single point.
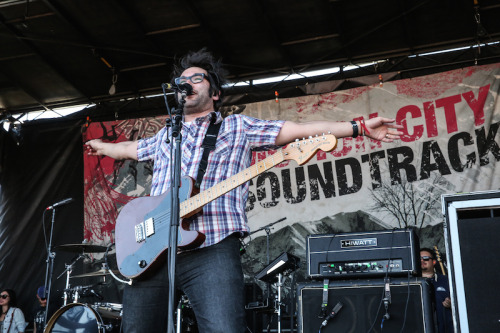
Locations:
(409, 203)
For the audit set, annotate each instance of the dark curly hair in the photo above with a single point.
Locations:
(12, 297)
(204, 59)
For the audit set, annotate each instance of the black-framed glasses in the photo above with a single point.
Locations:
(425, 258)
(4, 296)
(195, 78)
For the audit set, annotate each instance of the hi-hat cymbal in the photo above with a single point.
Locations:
(101, 272)
(88, 248)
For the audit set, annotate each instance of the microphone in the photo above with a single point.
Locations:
(185, 88)
(333, 313)
(60, 203)
(96, 294)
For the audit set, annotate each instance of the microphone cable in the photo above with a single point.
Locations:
(406, 306)
(332, 314)
(386, 315)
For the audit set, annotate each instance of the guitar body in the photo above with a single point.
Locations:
(150, 216)
(143, 226)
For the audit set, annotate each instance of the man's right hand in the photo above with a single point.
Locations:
(119, 151)
(94, 147)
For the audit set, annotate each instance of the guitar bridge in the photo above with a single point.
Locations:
(144, 229)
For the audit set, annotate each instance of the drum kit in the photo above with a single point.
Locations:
(75, 316)
(99, 317)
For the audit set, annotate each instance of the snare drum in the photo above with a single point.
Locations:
(77, 317)
(109, 310)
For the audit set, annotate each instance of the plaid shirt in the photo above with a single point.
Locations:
(238, 135)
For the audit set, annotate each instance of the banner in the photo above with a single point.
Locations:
(451, 144)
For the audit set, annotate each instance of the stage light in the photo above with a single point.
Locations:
(13, 127)
(16, 133)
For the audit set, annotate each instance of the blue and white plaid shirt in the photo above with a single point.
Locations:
(238, 135)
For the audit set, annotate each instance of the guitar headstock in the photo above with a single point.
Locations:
(303, 150)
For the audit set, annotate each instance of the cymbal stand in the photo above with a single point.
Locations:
(68, 271)
(76, 295)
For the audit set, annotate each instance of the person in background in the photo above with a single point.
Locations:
(211, 275)
(40, 308)
(440, 291)
(12, 318)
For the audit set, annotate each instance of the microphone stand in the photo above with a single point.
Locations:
(49, 270)
(175, 208)
(267, 229)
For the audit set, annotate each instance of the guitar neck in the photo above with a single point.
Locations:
(438, 256)
(212, 193)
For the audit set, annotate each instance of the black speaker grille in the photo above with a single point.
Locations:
(410, 310)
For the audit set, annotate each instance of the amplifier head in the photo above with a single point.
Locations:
(363, 254)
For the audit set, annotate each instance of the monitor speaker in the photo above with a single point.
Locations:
(471, 234)
(410, 310)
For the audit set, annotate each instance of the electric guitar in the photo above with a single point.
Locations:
(438, 256)
(142, 228)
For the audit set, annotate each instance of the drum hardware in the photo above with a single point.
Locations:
(109, 310)
(68, 271)
(78, 291)
(102, 272)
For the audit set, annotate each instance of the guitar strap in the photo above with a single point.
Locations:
(208, 145)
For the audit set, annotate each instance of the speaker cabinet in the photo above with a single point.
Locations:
(363, 309)
(472, 246)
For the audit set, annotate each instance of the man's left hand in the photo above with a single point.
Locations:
(383, 129)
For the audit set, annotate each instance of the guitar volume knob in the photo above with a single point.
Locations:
(142, 263)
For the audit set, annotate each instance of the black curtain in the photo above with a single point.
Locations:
(46, 167)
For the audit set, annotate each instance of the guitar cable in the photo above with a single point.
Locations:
(129, 282)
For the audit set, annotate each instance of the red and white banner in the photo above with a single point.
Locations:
(451, 144)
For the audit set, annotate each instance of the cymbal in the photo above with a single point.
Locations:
(101, 272)
(89, 248)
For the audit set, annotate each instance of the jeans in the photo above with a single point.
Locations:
(212, 279)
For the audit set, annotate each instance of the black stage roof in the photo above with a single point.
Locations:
(58, 53)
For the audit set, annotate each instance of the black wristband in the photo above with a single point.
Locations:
(355, 129)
